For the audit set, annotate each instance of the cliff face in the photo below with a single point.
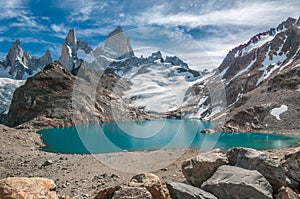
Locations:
(54, 97)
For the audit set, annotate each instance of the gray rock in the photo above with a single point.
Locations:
(256, 160)
(290, 163)
(132, 193)
(179, 190)
(47, 163)
(238, 183)
(199, 169)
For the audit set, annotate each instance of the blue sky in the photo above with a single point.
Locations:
(215, 25)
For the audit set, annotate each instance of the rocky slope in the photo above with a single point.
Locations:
(252, 83)
(55, 97)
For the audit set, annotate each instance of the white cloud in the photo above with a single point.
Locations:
(80, 10)
(252, 13)
(56, 28)
(12, 8)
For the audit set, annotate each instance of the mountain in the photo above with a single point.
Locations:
(21, 65)
(54, 97)
(16, 68)
(73, 51)
(255, 82)
(119, 44)
(156, 72)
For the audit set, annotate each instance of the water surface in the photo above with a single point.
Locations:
(152, 135)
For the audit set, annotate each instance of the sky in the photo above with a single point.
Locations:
(209, 28)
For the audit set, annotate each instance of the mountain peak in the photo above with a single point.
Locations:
(71, 37)
(287, 23)
(118, 43)
(118, 30)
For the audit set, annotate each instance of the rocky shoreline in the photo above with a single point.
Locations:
(192, 175)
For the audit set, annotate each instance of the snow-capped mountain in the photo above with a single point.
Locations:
(17, 67)
(153, 77)
(21, 65)
(253, 79)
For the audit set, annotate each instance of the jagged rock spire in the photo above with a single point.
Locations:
(68, 51)
(118, 43)
(21, 63)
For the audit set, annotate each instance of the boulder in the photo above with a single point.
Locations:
(256, 160)
(21, 188)
(290, 163)
(238, 183)
(107, 193)
(151, 182)
(132, 193)
(199, 169)
(286, 193)
(179, 190)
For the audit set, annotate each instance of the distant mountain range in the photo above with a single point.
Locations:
(255, 88)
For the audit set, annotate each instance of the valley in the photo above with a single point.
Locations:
(140, 104)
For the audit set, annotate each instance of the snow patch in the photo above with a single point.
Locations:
(298, 90)
(275, 63)
(242, 71)
(277, 111)
(69, 50)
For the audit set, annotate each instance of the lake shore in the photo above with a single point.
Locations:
(82, 176)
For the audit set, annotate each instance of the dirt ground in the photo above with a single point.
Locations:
(82, 176)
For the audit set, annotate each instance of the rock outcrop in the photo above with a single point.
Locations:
(197, 170)
(234, 182)
(21, 64)
(17, 188)
(179, 190)
(255, 160)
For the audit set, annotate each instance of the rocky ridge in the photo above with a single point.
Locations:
(253, 81)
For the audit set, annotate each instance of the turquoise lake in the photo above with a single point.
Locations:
(152, 135)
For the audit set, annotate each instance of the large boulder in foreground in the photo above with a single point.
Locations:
(19, 188)
(151, 182)
(238, 183)
(256, 160)
(179, 190)
(132, 193)
(199, 169)
(291, 165)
